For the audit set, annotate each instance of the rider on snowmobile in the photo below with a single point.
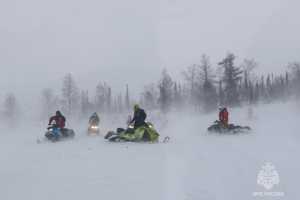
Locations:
(60, 122)
(224, 117)
(139, 117)
(141, 131)
(94, 119)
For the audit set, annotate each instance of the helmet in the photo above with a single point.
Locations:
(95, 114)
(221, 108)
(136, 107)
(58, 113)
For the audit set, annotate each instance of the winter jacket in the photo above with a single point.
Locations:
(94, 120)
(139, 118)
(224, 117)
(60, 121)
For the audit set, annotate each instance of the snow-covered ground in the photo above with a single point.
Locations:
(192, 166)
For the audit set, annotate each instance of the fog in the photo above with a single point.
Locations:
(41, 41)
(130, 42)
(193, 165)
(264, 30)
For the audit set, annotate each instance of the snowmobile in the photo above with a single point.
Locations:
(62, 134)
(218, 127)
(145, 133)
(93, 130)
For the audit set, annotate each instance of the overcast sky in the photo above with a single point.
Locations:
(131, 41)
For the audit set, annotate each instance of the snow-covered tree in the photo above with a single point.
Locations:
(248, 66)
(103, 98)
(149, 97)
(231, 78)
(70, 95)
(191, 77)
(177, 96)
(85, 104)
(127, 99)
(165, 91)
(10, 109)
(209, 95)
(295, 73)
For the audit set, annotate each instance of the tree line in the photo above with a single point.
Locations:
(203, 88)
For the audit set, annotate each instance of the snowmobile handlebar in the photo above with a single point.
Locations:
(131, 125)
(50, 126)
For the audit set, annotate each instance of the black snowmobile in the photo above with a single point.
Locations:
(55, 134)
(218, 127)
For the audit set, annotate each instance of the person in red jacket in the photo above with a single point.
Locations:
(59, 119)
(224, 117)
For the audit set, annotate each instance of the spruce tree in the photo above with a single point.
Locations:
(231, 78)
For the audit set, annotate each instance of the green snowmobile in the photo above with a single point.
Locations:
(218, 127)
(145, 133)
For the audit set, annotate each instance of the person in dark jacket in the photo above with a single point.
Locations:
(59, 119)
(139, 117)
(94, 120)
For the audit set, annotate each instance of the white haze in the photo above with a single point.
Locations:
(193, 166)
(131, 41)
